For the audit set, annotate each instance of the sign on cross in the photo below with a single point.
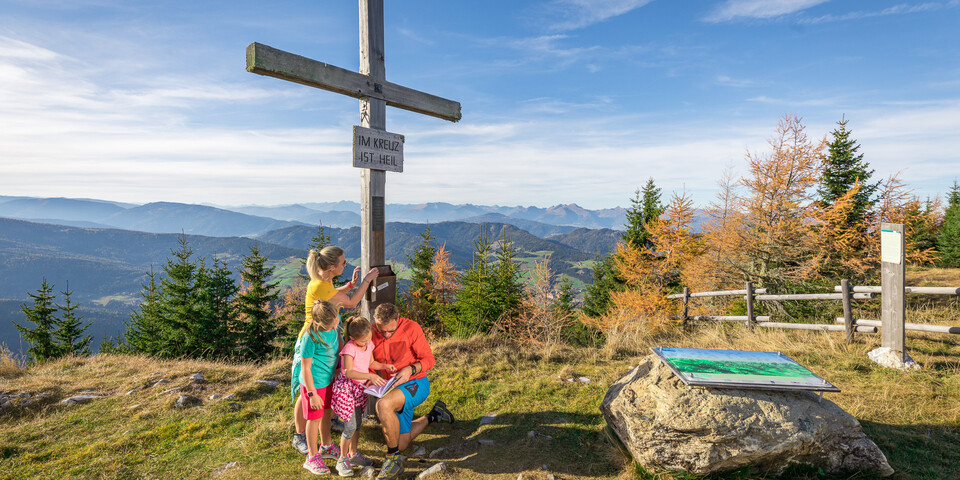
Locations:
(375, 93)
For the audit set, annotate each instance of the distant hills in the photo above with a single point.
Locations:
(252, 220)
(105, 249)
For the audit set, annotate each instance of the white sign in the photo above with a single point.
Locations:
(890, 242)
(377, 149)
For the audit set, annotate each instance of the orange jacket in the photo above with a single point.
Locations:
(408, 345)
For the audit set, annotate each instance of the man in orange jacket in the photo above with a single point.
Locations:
(401, 342)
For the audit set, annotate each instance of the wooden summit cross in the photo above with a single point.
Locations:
(375, 93)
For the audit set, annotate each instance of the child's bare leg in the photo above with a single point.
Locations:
(299, 420)
(345, 446)
(312, 427)
(324, 422)
(353, 444)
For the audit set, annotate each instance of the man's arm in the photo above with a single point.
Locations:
(422, 351)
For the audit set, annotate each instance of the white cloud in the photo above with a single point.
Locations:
(575, 14)
(733, 9)
(900, 9)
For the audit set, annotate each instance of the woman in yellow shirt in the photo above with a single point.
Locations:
(323, 267)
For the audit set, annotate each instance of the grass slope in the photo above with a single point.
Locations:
(914, 417)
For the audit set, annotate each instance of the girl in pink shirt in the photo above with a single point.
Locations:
(356, 362)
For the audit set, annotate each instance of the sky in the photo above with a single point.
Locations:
(563, 101)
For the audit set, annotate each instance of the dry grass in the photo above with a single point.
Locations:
(9, 366)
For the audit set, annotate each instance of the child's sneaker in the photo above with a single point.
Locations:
(331, 451)
(392, 467)
(359, 460)
(300, 443)
(344, 469)
(316, 466)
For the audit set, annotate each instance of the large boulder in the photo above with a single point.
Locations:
(667, 425)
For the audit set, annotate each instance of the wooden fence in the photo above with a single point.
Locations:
(843, 292)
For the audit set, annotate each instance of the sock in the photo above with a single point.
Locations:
(393, 450)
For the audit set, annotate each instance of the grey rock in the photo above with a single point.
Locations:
(160, 382)
(418, 451)
(131, 392)
(440, 467)
(551, 477)
(199, 377)
(187, 401)
(235, 406)
(368, 472)
(272, 383)
(170, 390)
(520, 476)
(436, 452)
(531, 434)
(667, 425)
(79, 399)
(488, 418)
(230, 396)
(224, 468)
(6, 404)
(44, 395)
(214, 396)
(131, 407)
(885, 357)
(485, 442)
(26, 402)
(156, 373)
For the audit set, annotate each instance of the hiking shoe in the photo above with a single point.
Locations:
(359, 460)
(392, 467)
(316, 466)
(300, 443)
(344, 469)
(331, 451)
(440, 413)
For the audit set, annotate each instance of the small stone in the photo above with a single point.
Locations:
(519, 476)
(187, 401)
(230, 396)
(81, 392)
(159, 382)
(26, 402)
(79, 399)
(44, 395)
(544, 467)
(584, 380)
(886, 357)
(214, 396)
(418, 451)
(440, 467)
(199, 377)
(221, 470)
(488, 418)
(436, 452)
(485, 442)
(131, 407)
(273, 383)
(235, 406)
(131, 392)
(155, 373)
(170, 390)
(368, 472)
(6, 404)
(531, 434)
(550, 476)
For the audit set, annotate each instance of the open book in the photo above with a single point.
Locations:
(381, 391)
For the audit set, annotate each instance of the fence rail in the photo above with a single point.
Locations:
(844, 292)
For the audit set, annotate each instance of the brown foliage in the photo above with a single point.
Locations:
(538, 320)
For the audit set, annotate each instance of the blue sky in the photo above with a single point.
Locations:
(564, 101)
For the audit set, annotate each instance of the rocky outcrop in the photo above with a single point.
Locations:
(667, 425)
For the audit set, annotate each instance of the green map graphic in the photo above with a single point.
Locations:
(693, 365)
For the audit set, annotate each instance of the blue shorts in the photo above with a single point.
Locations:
(414, 393)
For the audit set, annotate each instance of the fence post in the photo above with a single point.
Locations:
(847, 310)
(892, 301)
(686, 300)
(750, 305)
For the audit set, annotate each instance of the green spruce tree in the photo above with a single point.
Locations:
(948, 242)
(471, 306)
(258, 329)
(606, 280)
(214, 333)
(180, 307)
(421, 306)
(43, 345)
(844, 167)
(70, 335)
(645, 208)
(144, 330)
(507, 287)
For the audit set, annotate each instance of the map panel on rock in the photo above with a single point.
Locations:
(700, 367)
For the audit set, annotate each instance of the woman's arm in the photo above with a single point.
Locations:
(345, 288)
(353, 300)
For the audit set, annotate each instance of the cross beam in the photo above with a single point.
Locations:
(271, 62)
(375, 93)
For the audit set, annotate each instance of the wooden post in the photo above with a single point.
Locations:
(892, 302)
(373, 114)
(847, 309)
(686, 300)
(750, 317)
